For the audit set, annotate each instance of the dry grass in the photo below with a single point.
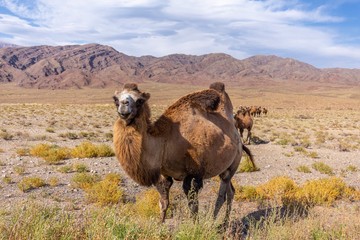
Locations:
(283, 190)
(52, 154)
(147, 203)
(304, 169)
(89, 150)
(106, 191)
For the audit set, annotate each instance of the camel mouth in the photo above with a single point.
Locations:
(124, 116)
(127, 118)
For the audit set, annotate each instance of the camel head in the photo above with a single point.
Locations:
(129, 102)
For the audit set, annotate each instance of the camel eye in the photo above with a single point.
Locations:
(125, 102)
(116, 101)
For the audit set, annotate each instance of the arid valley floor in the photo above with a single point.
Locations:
(303, 127)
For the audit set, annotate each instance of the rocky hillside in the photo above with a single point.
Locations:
(95, 65)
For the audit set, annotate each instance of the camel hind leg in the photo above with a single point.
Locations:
(163, 187)
(226, 190)
(191, 187)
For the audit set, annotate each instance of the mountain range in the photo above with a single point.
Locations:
(95, 65)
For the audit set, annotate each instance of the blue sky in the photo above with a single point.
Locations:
(321, 33)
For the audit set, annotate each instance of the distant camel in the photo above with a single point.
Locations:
(193, 140)
(243, 120)
(258, 111)
(265, 111)
(253, 110)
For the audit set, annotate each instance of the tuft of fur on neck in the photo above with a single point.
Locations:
(129, 149)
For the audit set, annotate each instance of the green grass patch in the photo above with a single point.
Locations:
(29, 183)
(323, 168)
(303, 169)
(246, 165)
(84, 180)
(352, 168)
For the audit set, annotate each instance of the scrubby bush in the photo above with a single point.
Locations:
(7, 179)
(280, 189)
(247, 193)
(106, 191)
(89, 150)
(80, 168)
(53, 181)
(322, 191)
(23, 151)
(323, 168)
(352, 168)
(304, 169)
(147, 203)
(29, 183)
(20, 170)
(65, 169)
(84, 180)
(312, 154)
(52, 154)
(246, 165)
(283, 190)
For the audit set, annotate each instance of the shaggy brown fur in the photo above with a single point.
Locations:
(243, 120)
(194, 139)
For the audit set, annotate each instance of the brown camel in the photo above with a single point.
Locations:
(253, 110)
(243, 120)
(265, 111)
(193, 140)
(258, 111)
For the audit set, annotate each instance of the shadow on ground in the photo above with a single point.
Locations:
(256, 140)
(239, 228)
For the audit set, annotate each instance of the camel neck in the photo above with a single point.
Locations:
(132, 149)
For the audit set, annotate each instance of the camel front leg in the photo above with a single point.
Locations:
(163, 187)
(248, 138)
(241, 134)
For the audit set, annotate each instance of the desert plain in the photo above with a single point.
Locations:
(306, 126)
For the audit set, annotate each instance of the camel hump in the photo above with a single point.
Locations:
(218, 86)
(207, 100)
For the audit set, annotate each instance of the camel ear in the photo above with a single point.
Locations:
(146, 96)
(131, 86)
(143, 98)
(116, 100)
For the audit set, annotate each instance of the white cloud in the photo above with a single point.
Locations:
(141, 27)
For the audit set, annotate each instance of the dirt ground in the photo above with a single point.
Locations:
(299, 130)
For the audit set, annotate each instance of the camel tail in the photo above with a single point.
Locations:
(248, 152)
